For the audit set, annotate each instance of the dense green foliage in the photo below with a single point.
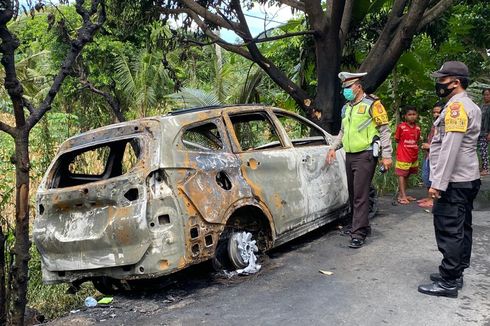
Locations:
(142, 66)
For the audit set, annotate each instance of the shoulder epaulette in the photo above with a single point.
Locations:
(342, 113)
(368, 100)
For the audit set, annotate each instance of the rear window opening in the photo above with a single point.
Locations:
(96, 163)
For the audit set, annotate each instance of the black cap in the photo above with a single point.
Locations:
(452, 68)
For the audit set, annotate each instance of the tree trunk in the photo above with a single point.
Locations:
(327, 99)
(3, 290)
(22, 243)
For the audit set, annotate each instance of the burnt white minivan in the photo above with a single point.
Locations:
(145, 198)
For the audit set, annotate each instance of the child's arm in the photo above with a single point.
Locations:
(397, 134)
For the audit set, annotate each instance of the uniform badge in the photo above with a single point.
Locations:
(457, 119)
(455, 107)
(379, 114)
(362, 109)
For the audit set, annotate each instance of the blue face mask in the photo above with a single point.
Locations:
(348, 94)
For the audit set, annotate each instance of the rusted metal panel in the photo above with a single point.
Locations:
(170, 210)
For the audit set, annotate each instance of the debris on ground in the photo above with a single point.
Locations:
(90, 302)
(105, 300)
(326, 272)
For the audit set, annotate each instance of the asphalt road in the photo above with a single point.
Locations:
(374, 285)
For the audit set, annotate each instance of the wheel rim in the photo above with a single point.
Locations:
(241, 247)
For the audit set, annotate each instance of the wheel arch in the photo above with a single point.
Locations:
(248, 214)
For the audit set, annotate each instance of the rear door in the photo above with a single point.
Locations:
(268, 165)
(213, 183)
(92, 205)
(323, 184)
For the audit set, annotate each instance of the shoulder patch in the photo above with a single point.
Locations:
(456, 119)
(379, 114)
(342, 113)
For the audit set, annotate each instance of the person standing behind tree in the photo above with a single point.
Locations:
(428, 202)
(455, 178)
(407, 136)
(485, 131)
(364, 121)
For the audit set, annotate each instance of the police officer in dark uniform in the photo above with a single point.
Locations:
(455, 177)
(364, 120)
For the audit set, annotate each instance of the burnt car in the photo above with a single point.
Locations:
(145, 198)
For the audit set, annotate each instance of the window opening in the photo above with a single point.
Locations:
(205, 137)
(300, 132)
(96, 163)
(255, 131)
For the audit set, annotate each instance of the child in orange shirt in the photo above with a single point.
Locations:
(407, 137)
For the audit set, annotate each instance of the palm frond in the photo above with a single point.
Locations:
(125, 75)
(192, 97)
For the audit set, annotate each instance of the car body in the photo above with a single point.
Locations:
(149, 197)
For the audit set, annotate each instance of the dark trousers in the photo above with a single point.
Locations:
(452, 224)
(360, 170)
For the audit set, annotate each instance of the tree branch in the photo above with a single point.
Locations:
(6, 128)
(380, 68)
(12, 84)
(28, 105)
(296, 4)
(111, 100)
(346, 20)
(225, 45)
(386, 36)
(316, 15)
(434, 13)
(84, 35)
(280, 37)
(207, 15)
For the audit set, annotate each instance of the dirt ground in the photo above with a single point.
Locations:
(374, 285)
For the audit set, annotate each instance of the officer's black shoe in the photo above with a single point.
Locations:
(356, 243)
(436, 277)
(440, 289)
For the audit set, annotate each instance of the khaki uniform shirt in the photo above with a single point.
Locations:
(452, 152)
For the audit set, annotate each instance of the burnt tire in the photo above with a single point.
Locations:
(233, 250)
(241, 246)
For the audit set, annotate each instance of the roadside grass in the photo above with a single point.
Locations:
(52, 301)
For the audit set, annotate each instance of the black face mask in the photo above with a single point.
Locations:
(442, 90)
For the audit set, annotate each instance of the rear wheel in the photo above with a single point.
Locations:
(235, 250)
(241, 249)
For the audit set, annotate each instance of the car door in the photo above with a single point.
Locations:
(269, 167)
(324, 184)
(214, 182)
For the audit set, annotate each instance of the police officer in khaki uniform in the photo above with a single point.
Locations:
(455, 177)
(364, 120)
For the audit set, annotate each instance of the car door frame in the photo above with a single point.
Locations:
(280, 202)
(319, 177)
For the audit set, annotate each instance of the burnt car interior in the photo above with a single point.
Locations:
(300, 132)
(95, 163)
(255, 131)
(204, 137)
